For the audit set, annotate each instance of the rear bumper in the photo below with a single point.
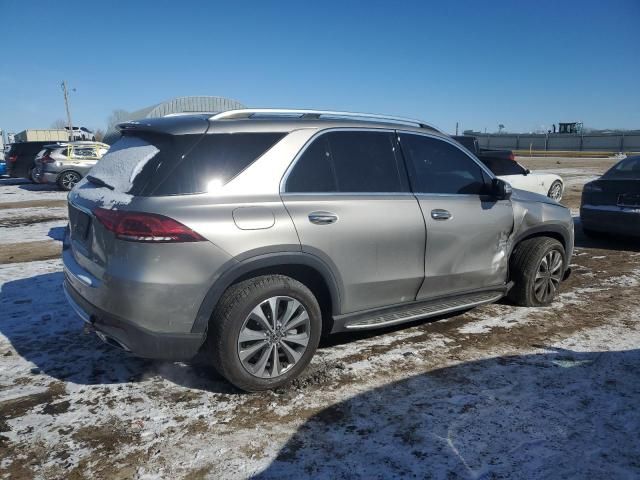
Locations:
(133, 338)
(45, 177)
(611, 219)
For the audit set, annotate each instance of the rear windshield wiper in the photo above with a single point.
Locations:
(99, 182)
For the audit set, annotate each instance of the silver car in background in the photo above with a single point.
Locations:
(250, 233)
(64, 164)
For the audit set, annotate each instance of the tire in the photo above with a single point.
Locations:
(234, 315)
(555, 191)
(30, 175)
(67, 180)
(527, 263)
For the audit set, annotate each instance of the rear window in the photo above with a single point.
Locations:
(628, 168)
(214, 160)
(125, 159)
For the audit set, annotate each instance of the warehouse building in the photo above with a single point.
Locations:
(177, 105)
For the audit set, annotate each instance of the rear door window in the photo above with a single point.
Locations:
(436, 166)
(313, 172)
(349, 162)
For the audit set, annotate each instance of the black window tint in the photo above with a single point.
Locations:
(364, 161)
(346, 161)
(628, 168)
(436, 166)
(215, 158)
(503, 166)
(313, 171)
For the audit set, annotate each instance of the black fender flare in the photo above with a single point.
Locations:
(240, 269)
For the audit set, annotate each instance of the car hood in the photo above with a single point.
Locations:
(525, 196)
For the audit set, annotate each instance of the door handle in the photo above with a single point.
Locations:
(323, 218)
(439, 214)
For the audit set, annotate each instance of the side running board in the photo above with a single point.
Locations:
(415, 310)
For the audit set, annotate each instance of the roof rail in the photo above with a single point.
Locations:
(316, 114)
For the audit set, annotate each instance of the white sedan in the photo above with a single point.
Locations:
(520, 177)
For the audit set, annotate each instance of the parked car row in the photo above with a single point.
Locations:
(62, 163)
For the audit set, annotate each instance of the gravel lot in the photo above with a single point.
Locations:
(496, 392)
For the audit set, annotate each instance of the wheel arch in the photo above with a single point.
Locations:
(306, 268)
(67, 170)
(551, 231)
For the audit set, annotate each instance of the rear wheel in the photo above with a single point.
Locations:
(537, 266)
(264, 332)
(68, 180)
(555, 191)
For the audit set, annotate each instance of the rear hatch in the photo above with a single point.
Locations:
(619, 186)
(144, 153)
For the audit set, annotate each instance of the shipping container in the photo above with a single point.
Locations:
(42, 136)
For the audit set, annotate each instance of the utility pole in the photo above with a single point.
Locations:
(66, 105)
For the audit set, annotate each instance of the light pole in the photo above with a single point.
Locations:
(66, 105)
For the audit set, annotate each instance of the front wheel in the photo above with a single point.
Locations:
(264, 332)
(68, 180)
(537, 266)
(555, 191)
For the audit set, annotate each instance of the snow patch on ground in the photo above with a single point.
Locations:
(24, 191)
(33, 232)
(32, 213)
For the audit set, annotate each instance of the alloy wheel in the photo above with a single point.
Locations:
(556, 191)
(69, 180)
(274, 337)
(548, 276)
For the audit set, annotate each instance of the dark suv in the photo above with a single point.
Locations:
(21, 158)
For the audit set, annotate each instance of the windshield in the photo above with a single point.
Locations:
(627, 168)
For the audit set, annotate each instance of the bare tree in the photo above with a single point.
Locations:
(59, 124)
(117, 116)
(99, 134)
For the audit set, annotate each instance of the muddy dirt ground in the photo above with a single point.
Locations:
(495, 392)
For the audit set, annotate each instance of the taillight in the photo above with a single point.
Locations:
(47, 159)
(512, 156)
(13, 158)
(145, 227)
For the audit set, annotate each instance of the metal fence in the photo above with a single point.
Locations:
(569, 143)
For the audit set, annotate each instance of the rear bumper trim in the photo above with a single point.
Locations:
(76, 308)
(138, 340)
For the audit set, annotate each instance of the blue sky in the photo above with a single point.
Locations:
(525, 64)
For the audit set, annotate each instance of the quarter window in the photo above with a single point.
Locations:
(436, 166)
(212, 162)
(348, 161)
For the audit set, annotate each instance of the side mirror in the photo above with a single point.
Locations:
(527, 171)
(501, 189)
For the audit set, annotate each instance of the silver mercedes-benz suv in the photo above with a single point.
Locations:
(250, 233)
